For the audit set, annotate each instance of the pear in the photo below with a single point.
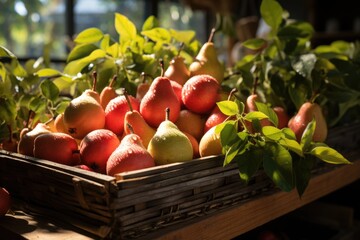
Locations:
(138, 123)
(59, 123)
(192, 123)
(210, 143)
(83, 115)
(304, 116)
(159, 97)
(96, 148)
(108, 93)
(177, 70)
(283, 117)
(169, 144)
(199, 93)
(207, 62)
(56, 147)
(27, 138)
(216, 117)
(250, 106)
(194, 144)
(115, 112)
(143, 86)
(130, 155)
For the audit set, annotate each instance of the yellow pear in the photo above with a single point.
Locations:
(210, 143)
(84, 114)
(207, 62)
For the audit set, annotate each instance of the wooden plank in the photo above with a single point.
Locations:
(235, 221)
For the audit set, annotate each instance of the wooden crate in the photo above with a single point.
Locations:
(138, 203)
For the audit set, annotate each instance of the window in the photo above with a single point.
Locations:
(31, 27)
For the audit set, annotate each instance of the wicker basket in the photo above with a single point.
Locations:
(140, 202)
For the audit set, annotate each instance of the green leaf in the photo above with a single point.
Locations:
(255, 115)
(63, 82)
(272, 133)
(254, 44)
(150, 23)
(37, 104)
(124, 27)
(229, 108)
(307, 136)
(262, 107)
(232, 151)
(249, 162)
(278, 166)
(271, 11)
(7, 110)
(89, 35)
(183, 36)
(158, 35)
(81, 51)
(329, 155)
(288, 133)
(48, 72)
(228, 134)
(292, 145)
(302, 173)
(49, 90)
(296, 30)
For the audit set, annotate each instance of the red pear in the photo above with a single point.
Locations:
(128, 156)
(199, 93)
(159, 97)
(304, 116)
(56, 147)
(96, 148)
(115, 112)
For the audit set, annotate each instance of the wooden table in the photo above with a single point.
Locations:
(225, 224)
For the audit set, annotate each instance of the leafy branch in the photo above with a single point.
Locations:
(286, 161)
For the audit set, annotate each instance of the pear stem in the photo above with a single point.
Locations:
(233, 91)
(28, 118)
(211, 35)
(180, 48)
(113, 80)
(131, 129)
(167, 113)
(94, 75)
(128, 100)
(313, 97)
(162, 67)
(49, 121)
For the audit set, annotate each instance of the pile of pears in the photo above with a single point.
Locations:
(170, 119)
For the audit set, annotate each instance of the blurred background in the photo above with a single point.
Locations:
(30, 27)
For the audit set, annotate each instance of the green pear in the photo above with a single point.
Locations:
(207, 62)
(169, 144)
(304, 116)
